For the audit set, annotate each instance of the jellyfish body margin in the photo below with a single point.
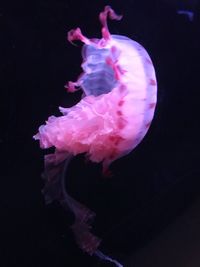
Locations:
(119, 99)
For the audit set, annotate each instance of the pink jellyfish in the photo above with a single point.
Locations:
(113, 116)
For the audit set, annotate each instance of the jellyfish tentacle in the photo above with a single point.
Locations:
(81, 227)
(108, 12)
(72, 86)
(56, 166)
(76, 34)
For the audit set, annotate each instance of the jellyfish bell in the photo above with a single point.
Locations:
(111, 119)
(119, 100)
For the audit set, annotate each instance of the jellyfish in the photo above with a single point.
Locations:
(114, 114)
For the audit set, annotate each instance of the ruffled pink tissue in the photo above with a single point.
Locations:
(92, 127)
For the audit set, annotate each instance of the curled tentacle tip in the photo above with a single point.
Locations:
(112, 14)
(73, 34)
(71, 87)
(76, 34)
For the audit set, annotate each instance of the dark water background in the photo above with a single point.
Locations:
(150, 186)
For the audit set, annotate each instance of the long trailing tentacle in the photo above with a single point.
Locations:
(56, 166)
